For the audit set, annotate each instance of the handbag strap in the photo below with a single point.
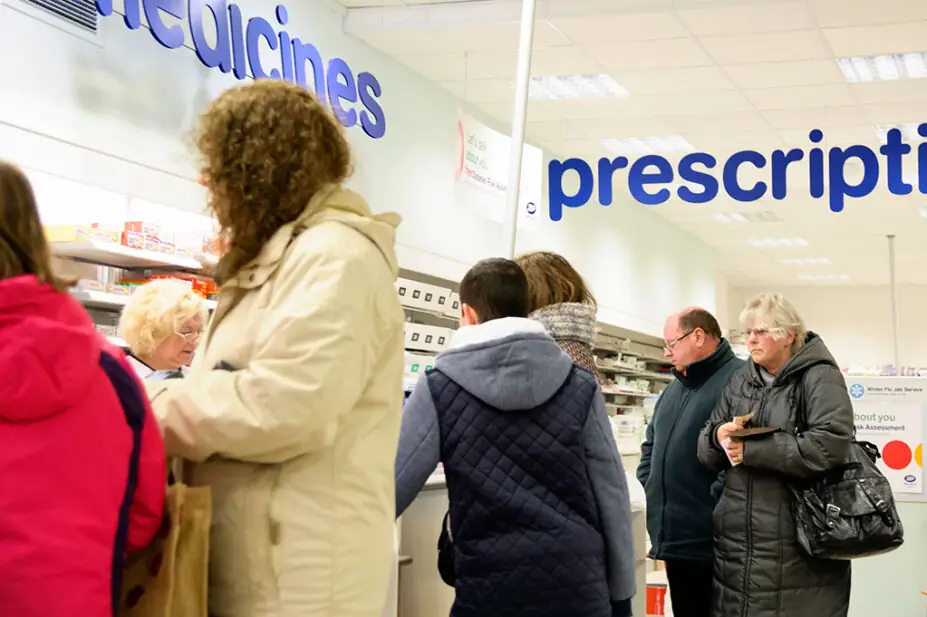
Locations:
(133, 407)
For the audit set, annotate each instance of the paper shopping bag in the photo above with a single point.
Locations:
(170, 577)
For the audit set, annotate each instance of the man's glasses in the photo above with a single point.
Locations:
(669, 346)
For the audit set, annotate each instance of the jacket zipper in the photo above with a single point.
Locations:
(682, 406)
(749, 509)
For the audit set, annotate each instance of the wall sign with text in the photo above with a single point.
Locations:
(648, 177)
(482, 173)
(890, 412)
(237, 49)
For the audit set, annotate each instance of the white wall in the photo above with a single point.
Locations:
(114, 113)
(856, 322)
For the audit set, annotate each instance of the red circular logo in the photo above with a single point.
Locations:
(897, 455)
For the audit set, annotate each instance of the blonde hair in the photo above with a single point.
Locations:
(772, 312)
(157, 310)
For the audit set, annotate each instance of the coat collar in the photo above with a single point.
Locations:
(699, 372)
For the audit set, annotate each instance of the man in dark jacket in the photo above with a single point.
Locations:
(681, 493)
(539, 506)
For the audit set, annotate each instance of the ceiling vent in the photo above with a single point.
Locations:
(81, 14)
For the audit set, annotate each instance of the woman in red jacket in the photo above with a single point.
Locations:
(82, 464)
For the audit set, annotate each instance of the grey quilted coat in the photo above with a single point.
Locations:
(759, 571)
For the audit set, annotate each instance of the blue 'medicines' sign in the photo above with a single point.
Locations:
(238, 46)
(648, 173)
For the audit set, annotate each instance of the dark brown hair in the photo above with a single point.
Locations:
(268, 147)
(700, 318)
(495, 288)
(552, 280)
(23, 246)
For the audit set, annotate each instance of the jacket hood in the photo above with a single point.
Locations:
(49, 353)
(349, 208)
(511, 364)
(812, 353)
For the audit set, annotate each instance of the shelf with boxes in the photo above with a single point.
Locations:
(111, 262)
(432, 307)
(633, 374)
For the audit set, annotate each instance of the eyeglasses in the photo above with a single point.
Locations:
(190, 336)
(756, 332)
(669, 346)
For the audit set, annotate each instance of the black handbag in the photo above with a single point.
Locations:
(849, 512)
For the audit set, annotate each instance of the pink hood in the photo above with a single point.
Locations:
(49, 352)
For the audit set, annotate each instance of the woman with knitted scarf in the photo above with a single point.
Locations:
(560, 299)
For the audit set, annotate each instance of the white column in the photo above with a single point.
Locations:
(894, 293)
(519, 118)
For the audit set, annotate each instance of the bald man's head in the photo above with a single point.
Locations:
(690, 335)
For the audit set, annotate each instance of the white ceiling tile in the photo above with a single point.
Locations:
(674, 81)
(457, 88)
(717, 121)
(804, 96)
(723, 144)
(697, 102)
(907, 91)
(781, 16)
(648, 55)
(894, 113)
(839, 13)
(570, 60)
(770, 47)
(439, 67)
(489, 91)
(640, 126)
(548, 131)
(621, 27)
(815, 117)
(785, 74)
(448, 39)
(878, 39)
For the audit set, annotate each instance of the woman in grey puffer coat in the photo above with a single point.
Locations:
(759, 570)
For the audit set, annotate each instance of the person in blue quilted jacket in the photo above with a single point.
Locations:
(539, 509)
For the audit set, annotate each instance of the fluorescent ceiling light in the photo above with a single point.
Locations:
(563, 87)
(805, 261)
(825, 277)
(908, 130)
(746, 217)
(885, 67)
(759, 242)
(632, 146)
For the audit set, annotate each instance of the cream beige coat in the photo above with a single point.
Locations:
(299, 441)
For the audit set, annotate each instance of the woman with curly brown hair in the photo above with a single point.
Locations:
(291, 409)
(560, 299)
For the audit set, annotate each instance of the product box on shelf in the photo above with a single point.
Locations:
(82, 233)
(426, 338)
(452, 309)
(411, 293)
(416, 364)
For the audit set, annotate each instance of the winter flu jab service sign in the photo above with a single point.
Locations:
(890, 413)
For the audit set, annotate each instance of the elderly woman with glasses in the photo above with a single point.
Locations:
(162, 322)
(793, 386)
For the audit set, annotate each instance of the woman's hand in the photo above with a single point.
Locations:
(735, 451)
(725, 430)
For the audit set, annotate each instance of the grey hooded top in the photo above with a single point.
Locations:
(512, 364)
